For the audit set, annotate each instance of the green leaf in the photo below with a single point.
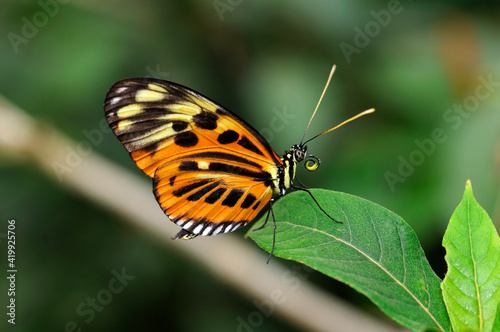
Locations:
(373, 250)
(496, 324)
(471, 288)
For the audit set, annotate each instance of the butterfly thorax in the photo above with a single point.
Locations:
(286, 173)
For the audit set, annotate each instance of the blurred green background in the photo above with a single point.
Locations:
(424, 65)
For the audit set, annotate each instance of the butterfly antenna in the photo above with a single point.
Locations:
(371, 110)
(319, 102)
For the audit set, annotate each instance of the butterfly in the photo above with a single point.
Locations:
(212, 171)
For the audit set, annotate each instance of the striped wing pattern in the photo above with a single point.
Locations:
(212, 172)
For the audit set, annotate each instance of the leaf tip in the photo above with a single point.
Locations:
(468, 188)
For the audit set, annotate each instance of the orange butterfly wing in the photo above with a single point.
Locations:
(212, 172)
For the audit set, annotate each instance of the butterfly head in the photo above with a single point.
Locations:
(299, 152)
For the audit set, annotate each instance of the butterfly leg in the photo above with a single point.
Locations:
(315, 201)
(267, 217)
(270, 212)
(274, 231)
(300, 182)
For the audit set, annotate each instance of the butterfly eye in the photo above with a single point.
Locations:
(312, 163)
(300, 154)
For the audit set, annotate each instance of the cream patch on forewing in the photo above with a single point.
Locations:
(176, 117)
(129, 110)
(159, 134)
(123, 124)
(205, 104)
(184, 108)
(157, 88)
(148, 96)
(148, 137)
(203, 165)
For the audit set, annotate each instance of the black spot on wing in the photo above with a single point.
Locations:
(232, 198)
(249, 200)
(223, 156)
(226, 168)
(227, 137)
(172, 179)
(179, 125)
(184, 190)
(186, 139)
(202, 192)
(245, 142)
(263, 143)
(206, 120)
(256, 206)
(188, 166)
(215, 196)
